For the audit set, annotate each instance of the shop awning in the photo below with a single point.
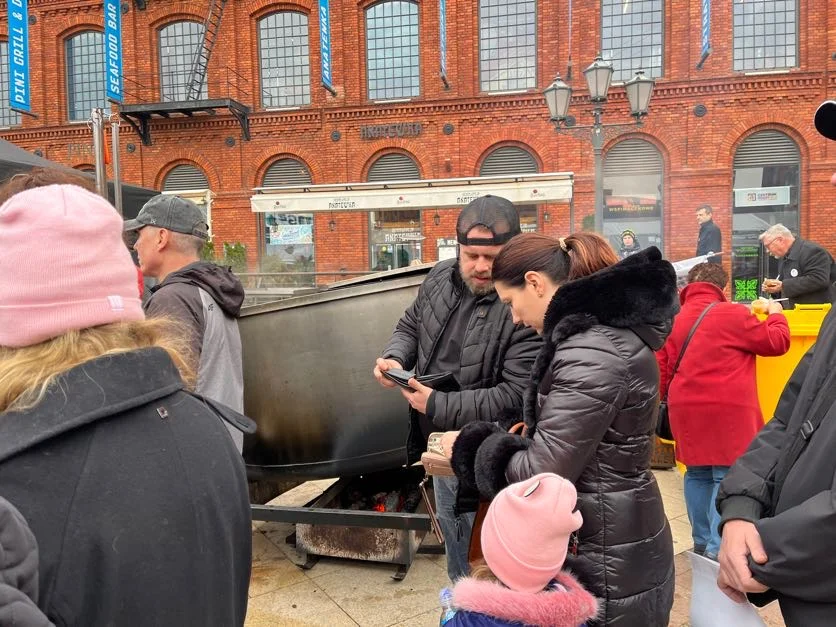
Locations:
(529, 189)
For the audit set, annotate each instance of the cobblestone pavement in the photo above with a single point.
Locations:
(339, 592)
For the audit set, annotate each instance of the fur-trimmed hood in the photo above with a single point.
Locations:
(567, 607)
(639, 293)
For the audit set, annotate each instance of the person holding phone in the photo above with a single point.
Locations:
(458, 325)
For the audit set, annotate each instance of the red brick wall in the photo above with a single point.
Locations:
(697, 152)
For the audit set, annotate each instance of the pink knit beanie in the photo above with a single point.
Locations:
(525, 535)
(63, 265)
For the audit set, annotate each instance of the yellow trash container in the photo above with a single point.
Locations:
(774, 372)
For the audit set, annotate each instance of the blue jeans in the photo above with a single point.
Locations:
(701, 485)
(456, 530)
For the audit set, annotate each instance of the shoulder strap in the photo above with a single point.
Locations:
(685, 345)
(802, 437)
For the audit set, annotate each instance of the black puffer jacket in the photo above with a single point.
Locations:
(590, 411)
(496, 355)
(18, 571)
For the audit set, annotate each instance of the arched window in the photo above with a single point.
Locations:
(288, 237)
(284, 60)
(631, 37)
(179, 45)
(7, 116)
(513, 160)
(185, 178)
(765, 35)
(633, 177)
(395, 234)
(392, 50)
(507, 44)
(766, 191)
(85, 74)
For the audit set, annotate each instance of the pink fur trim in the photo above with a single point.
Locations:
(551, 608)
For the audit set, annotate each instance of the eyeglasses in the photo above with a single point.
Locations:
(770, 242)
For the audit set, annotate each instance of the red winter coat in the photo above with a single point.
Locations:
(713, 402)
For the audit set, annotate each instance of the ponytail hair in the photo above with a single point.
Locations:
(562, 260)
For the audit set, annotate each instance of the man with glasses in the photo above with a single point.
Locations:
(804, 274)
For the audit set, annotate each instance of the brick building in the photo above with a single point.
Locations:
(736, 133)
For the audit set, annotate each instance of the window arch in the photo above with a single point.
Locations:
(765, 34)
(766, 191)
(85, 74)
(507, 44)
(7, 116)
(633, 179)
(185, 177)
(284, 59)
(631, 37)
(392, 50)
(395, 234)
(288, 237)
(179, 43)
(507, 160)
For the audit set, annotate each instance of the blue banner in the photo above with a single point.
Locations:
(442, 37)
(19, 95)
(706, 29)
(113, 50)
(325, 44)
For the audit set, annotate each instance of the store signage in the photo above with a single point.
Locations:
(762, 196)
(19, 94)
(325, 44)
(442, 38)
(396, 235)
(289, 234)
(382, 131)
(113, 50)
(423, 197)
(705, 33)
(631, 207)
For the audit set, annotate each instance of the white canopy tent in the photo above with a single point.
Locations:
(529, 189)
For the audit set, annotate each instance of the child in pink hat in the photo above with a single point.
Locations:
(525, 538)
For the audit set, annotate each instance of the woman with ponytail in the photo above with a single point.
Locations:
(589, 410)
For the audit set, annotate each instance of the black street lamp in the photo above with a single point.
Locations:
(598, 76)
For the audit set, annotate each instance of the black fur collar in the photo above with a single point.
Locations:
(639, 292)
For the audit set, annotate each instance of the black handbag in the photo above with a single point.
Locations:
(663, 422)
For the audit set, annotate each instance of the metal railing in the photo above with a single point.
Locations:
(266, 280)
(174, 87)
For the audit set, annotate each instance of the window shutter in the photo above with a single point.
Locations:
(185, 177)
(286, 172)
(632, 156)
(508, 160)
(766, 148)
(394, 167)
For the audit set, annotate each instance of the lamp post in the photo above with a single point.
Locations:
(598, 76)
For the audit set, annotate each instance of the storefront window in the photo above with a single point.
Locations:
(633, 177)
(395, 238)
(766, 192)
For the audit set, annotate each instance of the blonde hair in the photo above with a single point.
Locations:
(27, 373)
(481, 571)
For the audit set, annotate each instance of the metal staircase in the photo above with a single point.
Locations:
(200, 66)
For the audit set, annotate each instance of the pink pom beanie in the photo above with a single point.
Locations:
(525, 535)
(63, 265)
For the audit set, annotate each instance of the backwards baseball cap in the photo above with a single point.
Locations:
(825, 119)
(173, 213)
(495, 214)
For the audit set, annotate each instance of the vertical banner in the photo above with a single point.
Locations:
(113, 50)
(325, 44)
(442, 40)
(705, 33)
(19, 95)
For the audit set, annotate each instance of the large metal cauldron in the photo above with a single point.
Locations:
(308, 380)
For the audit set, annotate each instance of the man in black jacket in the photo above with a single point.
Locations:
(804, 275)
(709, 240)
(778, 501)
(457, 324)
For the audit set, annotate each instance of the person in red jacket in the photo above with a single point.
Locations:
(713, 399)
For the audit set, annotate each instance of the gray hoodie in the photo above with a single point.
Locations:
(207, 298)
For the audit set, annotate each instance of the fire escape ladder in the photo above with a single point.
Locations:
(200, 66)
